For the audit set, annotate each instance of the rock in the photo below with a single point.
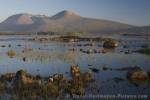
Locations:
(89, 51)
(50, 80)
(58, 79)
(87, 77)
(9, 45)
(110, 44)
(19, 45)
(106, 68)
(20, 75)
(24, 59)
(11, 53)
(137, 75)
(89, 65)
(3, 45)
(127, 52)
(19, 78)
(22, 78)
(75, 70)
(95, 70)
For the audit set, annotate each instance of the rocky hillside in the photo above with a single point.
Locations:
(65, 21)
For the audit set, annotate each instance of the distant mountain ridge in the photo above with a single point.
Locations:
(143, 30)
(65, 21)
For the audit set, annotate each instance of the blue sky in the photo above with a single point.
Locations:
(135, 12)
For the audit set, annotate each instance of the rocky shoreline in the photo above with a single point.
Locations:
(22, 85)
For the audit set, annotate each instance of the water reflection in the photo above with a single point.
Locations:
(45, 57)
(55, 57)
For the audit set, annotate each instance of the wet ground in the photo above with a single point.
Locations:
(55, 57)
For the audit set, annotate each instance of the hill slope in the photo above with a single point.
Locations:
(65, 21)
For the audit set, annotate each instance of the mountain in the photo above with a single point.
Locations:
(65, 15)
(23, 22)
(65, 21)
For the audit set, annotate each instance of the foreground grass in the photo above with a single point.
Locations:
(23, 86)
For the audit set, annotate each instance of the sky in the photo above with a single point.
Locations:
(134, 12)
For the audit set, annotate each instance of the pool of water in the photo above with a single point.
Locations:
(46, 59)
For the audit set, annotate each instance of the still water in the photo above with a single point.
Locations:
(55, 57)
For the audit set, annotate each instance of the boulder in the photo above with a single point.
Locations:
(95, 70)
(22, 77)
(137, 74)
(110, 44)
(75, 70)
(3, 45)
